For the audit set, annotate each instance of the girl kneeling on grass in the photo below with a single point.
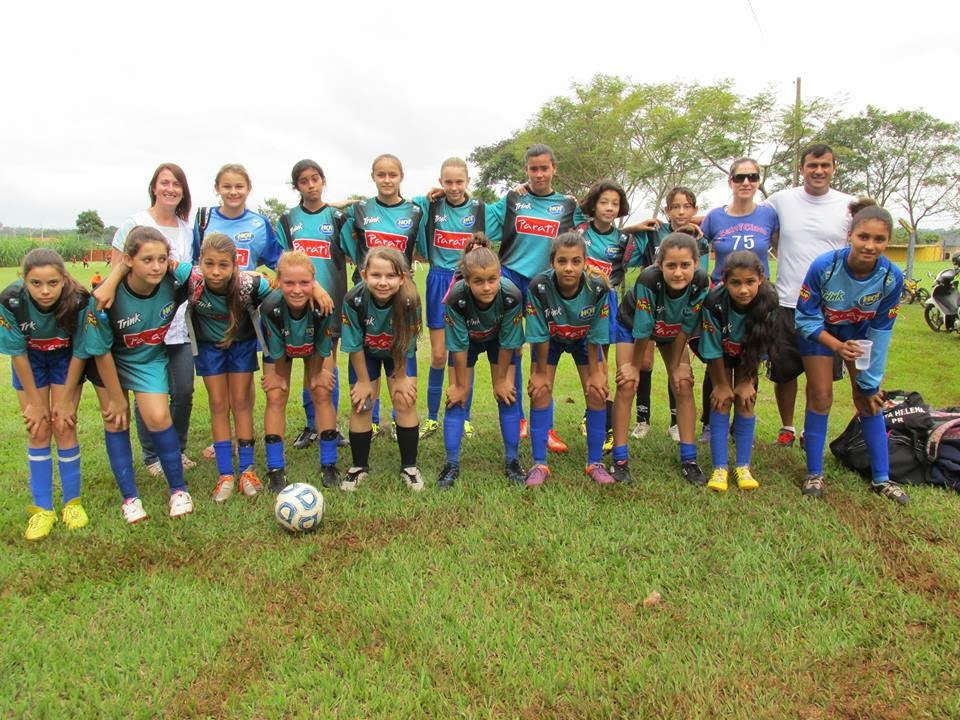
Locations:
(381, 321)
(293, 327)
(666, 311)
(483, 313)
(737, 331)
(567, 311)
(40, 318)
(848, 296)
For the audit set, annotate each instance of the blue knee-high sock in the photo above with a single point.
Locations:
(41, 476)
(335, 395)
(688, 452)
(68, 460)
(743, 429)
(274, 449)
(167, 445)
(328, 448)
(510, 429)
(518, 387)
(223, 450)
(453, 419)
(596, 434)
(375, 414)
(541, 420)
(875, 435)
(814, 438)
(120, 457)
(434, 392)
(309, 410)
(469, 405)
(719, 427)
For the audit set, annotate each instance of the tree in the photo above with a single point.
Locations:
(89, 224)
(272, 209)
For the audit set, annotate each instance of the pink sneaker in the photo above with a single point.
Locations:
(537, 476)
(600, 475)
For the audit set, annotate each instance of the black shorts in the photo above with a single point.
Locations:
(787, 364)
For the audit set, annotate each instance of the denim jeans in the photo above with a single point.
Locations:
(180, 379)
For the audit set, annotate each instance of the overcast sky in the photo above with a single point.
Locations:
(95, 95)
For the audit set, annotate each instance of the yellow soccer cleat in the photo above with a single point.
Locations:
(74, 516)
(40, 524)
(718, 480)
(745, 479)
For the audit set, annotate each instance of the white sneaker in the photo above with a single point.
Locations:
(674, 432)
(412, 478)
(180, 504)
(640, 430)
(187, 463)
(353, 478)
(155, 468)
(133, 511)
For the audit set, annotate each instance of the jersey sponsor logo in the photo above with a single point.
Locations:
(439, 218)
(468, 221)
(312, 247)
(605, 310)
(49, 344)
(568, 332)
(167, 310)
(612, 252)
(243, 257)
(892, 313)
(604, 267)
(451, 240)
(536, 226)
(369, 220)
(381, 341)
(326, 229)
(587, 312)
(831, 296)
(481, 335)
(28, 325)
(378, 238)
(522, 206)
(663, 329)
(154, 336)
(296, 228)
(404, 223)
(531, 310)
(869, 299)
(91, 318)
(128, 321)
(245, 236)
(298, 351)
(555, 209)
(344, 320)
(852, 315)
(643, 305)
(731, 348)
(804, 292)
(4, 324)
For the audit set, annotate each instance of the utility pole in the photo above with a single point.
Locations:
(796, 138)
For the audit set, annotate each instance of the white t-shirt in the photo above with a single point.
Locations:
(810, 225)
(181, 249)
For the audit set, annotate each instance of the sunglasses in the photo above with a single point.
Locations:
(740, 177)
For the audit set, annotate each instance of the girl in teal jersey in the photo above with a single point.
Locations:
(381, 321)
(39, 326)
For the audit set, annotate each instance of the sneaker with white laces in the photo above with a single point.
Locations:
(133, 511)
(155, 468)
(223, 489)
(186, 462)
(74, 516)
(250, 484)
(306, 437)
(812, 486)
(412, 478)
(180, 504)
(353, 478)
(640, 430)
(674, 432)
(892, 491)
(429, 428)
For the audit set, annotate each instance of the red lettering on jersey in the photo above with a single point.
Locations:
(314, 248)
(604, 267)
(48, 344)
(451, 240)
(568, 332)
(383, 341)
(481, 335)
(378, 238)
(243, 257)
(537, 226)
(665, 330)
(730, 348)
(643, 305)
(299, 350)
(147, 337)
(853, 315)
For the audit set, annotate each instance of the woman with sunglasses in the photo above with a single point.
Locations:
(740, 225)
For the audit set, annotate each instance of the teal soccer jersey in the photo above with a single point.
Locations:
(367, 326)
(292, 337)
(525, 226)
(373, 224)
(660, 316)
(467, 323)
(585, 316)
(320, 236)
(722, 327)
(23, 326)
(448, 228)
(209, 311)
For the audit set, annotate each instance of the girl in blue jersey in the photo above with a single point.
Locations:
(850, 295)
(316, 229)
(131, 335)
(737, 332)
(449, 225)
(220, 301)
(483, 314)
(293, 326)
(39, 328)
(381, 321)
(567, 312)
(666, 311)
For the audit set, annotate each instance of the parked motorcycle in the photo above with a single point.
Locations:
(940, 311)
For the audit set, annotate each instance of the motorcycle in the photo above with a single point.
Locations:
(940, 311)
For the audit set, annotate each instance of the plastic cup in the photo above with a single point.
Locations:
(863, 362)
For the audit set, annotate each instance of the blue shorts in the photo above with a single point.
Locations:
(728, 361)
(240, 357)
(438, 285)
(619, 333)
(49, 367)
(577, 349)
(490, 347)
(522, 282)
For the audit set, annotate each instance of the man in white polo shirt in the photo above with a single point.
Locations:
(814, 219)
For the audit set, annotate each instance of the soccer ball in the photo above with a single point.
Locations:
(299, 507)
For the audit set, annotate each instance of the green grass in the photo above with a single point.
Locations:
(489, 601)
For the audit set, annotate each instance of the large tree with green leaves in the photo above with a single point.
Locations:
(89, 224)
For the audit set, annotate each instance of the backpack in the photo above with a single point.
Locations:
(194, 289)
(11, 300)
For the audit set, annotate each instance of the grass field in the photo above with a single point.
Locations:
(490, 601)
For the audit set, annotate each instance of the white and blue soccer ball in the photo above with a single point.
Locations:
(299, 507)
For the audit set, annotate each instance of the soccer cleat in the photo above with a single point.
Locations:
(692, 473)
(718, 480)
(583, 425)
(74, 516)
(892, 491)
(133, 511)
(705, 434)
(276, 479)
(353, 478)
(537, 476)
(341, 440)
(180, 504)
(468, 431)
(786, 437)
(448, 475)
(745, 479)
(429, 428)
(515, 472)
(412, 478)
(608, 441)
(599, 474)
(40, 524)
(330, 476)
(554, 443)
(620, 470)
(223, 489)
(524, 429)
(306, 437)
(186, 462)
(250, 484)
(674, 432)
(640, 430)
(812, 486)
(155, 468)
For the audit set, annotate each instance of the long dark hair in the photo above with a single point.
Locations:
(67, 305)
(218, 242)
(405, 316)
(760, 315)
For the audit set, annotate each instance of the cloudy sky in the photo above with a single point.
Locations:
(96, 94)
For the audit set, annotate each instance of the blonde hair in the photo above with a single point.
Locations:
(405, 316)
(236, 169)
